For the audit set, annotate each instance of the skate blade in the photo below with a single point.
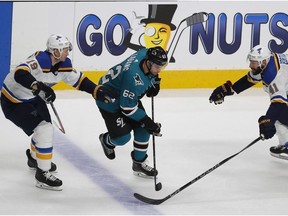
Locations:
(47, 187)
(142, 175)
(284, 157)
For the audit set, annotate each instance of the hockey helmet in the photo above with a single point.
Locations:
(157, 55)
(259, 53)
(59, 42)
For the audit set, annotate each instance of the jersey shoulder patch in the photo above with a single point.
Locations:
(44, 60)
(138, 80)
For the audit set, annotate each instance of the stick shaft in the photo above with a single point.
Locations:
(58, 118)
(153, 142)
(159, 201)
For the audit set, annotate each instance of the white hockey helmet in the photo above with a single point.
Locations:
(259, 53)
(59, 42)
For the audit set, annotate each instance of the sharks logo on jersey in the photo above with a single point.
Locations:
(138, 80)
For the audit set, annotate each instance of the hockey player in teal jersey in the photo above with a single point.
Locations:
(272, 69)
(131, 80)
(24, 95)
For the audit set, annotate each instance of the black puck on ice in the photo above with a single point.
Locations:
(158, 186)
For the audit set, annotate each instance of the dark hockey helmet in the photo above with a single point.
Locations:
(157, 55)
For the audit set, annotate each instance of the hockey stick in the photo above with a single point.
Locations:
(61, 128)
(158, 186)
(159, 201)
(191, 20)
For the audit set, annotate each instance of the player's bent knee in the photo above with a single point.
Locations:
(122, 140)
(43, 134)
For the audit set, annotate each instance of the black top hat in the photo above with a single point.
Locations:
(161, 14)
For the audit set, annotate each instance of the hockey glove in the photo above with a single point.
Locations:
(49, 94)
(154, 89)
(220, 92)
(266, 127)
(104, 94)
(151, 126)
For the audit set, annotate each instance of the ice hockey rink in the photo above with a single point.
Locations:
(196, 136)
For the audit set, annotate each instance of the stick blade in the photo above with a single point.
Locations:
(148, 200)
(60, 128)
(197, 18)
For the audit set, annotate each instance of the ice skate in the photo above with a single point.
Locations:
(45, 180)
(280, 151)
(32, 163)
(108, 150)
(142, 169)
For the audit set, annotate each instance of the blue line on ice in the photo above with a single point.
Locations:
(101, 176)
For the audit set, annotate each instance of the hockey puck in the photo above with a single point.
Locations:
(158, 186)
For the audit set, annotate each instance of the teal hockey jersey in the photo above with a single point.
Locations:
(130, 83)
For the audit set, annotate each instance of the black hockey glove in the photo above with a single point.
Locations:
(220, 92)
(49, 94)
(151, 126)
(104, 94)
(154, 89)
(266, 127)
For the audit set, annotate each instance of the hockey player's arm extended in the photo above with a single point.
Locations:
(99, 92)
(228, 88)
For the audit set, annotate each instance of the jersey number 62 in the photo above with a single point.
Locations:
(128, 94)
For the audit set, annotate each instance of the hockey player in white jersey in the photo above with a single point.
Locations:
(24, 95)
(272, 70)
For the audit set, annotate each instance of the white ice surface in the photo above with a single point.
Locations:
(197, 135)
